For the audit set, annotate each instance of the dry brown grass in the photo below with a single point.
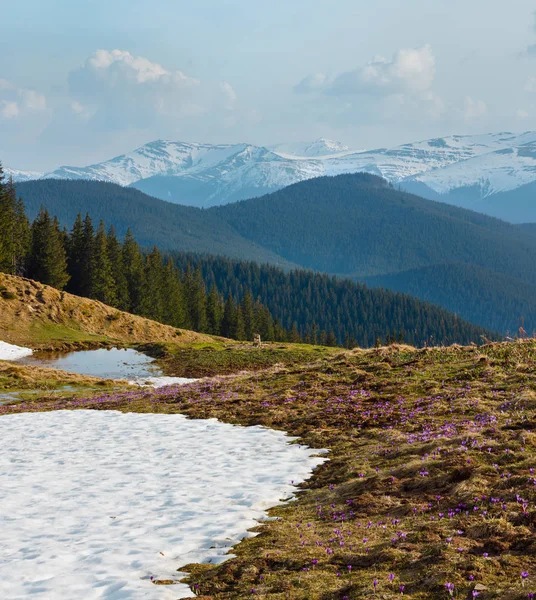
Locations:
(39, 316)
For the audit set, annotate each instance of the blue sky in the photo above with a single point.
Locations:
(83, 81)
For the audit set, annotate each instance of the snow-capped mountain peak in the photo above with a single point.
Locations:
(317, 149)
(21, 175)
(209, 174)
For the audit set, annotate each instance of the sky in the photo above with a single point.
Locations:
(84, 81)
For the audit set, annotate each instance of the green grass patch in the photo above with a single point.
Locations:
(46, 332)
(219, 358)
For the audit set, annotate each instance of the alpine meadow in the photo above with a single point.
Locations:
(268, 300)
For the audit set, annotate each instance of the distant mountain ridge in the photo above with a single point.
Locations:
(484, 172)
(355, 226)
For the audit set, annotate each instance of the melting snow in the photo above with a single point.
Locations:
(10, 352)
(158, 382)
(94, 503)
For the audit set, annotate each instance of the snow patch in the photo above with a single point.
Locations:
(95, 503)
(158, 382)
(11, 352)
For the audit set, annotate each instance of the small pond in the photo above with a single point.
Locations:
(113, 363)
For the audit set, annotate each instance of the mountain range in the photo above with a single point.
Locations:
(492, 173)
(357, 226)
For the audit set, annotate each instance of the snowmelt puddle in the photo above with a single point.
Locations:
(95, 503)
(113, 363)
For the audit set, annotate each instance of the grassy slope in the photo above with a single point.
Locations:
(430, 479)
(40, 317)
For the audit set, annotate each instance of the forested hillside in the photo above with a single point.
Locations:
(529, 228)
(482, 296)
(360, 225)
(314, 304)
(355, 226)
(152, 221)
(92, 262)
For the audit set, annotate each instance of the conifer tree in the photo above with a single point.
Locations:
(7, 225)
(239, 329)
(196, 296)
(294, 334)
(214, 312)
(331, 340)
(134, 272)
(248, 315)
(152, 296)
(21, 238)
(115, 255)
(87, 262)
(174, 307)
(103, 283)
(265, 322)
(228, 319)
(47, 260)
(75, 253)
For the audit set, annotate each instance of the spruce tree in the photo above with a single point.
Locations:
(7, 225)
(249, 316)
(87, 262)
(75, 252)
(228, 319)
(196, 298)
(294, 334)
(22, 239)
(152, 296)
(173, 301)
(115, 255)
(239, 328)
(47, 260)
(103, 283)
(331, 339)
(214, 312)
(134, 272)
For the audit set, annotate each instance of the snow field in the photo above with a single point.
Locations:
(10, 352)
(95, 503)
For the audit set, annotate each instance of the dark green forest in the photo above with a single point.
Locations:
(359, 225)
(313, 304)
(529, 228)
(355, 226)
(504, 303)
(153, 222)
(91, 262)
(214, 295)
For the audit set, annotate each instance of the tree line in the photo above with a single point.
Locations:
(92, 262)
(324, 309)
(215, 295)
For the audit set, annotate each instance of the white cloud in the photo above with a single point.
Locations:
(312, 83)
(32, 100)
(474, 109)
(16, 102)
(115, 90)
(411, 70)
(229, 94)
(400, 87)
(9, 110)
(522, 114)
